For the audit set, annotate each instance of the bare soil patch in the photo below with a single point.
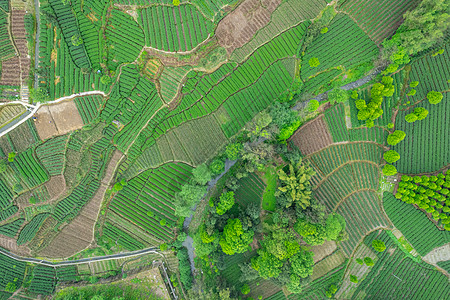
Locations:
(79, 234)
(312, 137)
(58, 119)
(153, 280)
(322, 251)
(56, 186)
(11, 244)
(239, 27)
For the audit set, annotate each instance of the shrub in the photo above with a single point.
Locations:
(353, 279)
(163, 222)
(410, 118)
(176, 2)
(389, 170)
(421, 113)
(368, 261)
(313, 105)
(434, 97)
(245, 289)
(217, 166)
(412, 92)
(378, 245)
(413, 83)
(359, 261)
(324, 30)
(202, 174)
(391, 156)
(337, 95)
(11, 156)
(314, 62)
(396, 137)
(163, 247)
(233, 150)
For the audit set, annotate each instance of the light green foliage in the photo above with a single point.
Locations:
(359, 261)
(234, 239)
(421, 113)
(295, 187)
(410, 118)
(176, 2)
(396, 137)
(389, 170)
(353, 279)
(434, 97)
(314, 62)
(390, 125)
(412, 92)
(324, 30)
(182, 236)
(302, 263)
(76, 40)
(226, 201)
(423, 27)
(217, 166)
(413, 84)
(163, 222)
(372, 110)
(202, 174)
(105, 79)
(313, 105)
(163, 247)
(245, 289)
(316, 234)
(335, 227)
(11, 156)
(187, 198)
(368, 261)
(281, 242)
(267, 265)
(391, 156)
(233, 150)
(378, 245)
(337, 95)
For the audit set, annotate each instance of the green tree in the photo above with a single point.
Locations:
(353, 279)
(202, 174)
(412, 92)
(267, 265)
(368, 261)
(226, 201)
(314, 62)
(313, 105)
(389, 170)
(295, 186)
(410, 118)
(434, 97)
(176, 2)
(324, 30)
(234, 239)
(413, 84)
(391, 156)
(163, 222)
(217, 166)
(187, 198)
(396, 137)
(76, 40)
(337, 95)
(245, 289)
(421, 113)
(335, 227)
(163, 247)
(359, 261)
(39, 95)
(11, 156)
(302, 263)
(378, 245)
(281, 242)
(233, 151)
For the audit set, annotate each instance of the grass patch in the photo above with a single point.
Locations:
(269, 200)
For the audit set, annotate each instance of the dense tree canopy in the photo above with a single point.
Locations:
(378, 245)
(187, 198)
(202, 174)
(234, 239)
(391, 156)
(434, 97)
(396, 137)
(389, 170)
(226, 201)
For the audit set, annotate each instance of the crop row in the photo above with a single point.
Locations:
(30, 169)
(11, 272)
(6, 48)
(52, 154)
(12, 228)
(345, 44)
(5, 195)
(374, 134)
(69, 27)
(89, 107)
(174, 29)
(67, 273)
(210, 93)
(29, 231)
(121, 237)
(335, 118)
(43, 280)
(414, 224)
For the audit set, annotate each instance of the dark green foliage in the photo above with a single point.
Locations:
(43, 280)
(185, 268)
(12, 228)
(30, 169)
(217, 166)
(115, 291)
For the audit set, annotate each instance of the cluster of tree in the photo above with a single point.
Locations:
(423, 28)
(418, 114)
(331, 291)
(429, 193)
(337, 95)
(367, 260)
(372, 110)
(184, 266)
(333, 229)
(396, 137)
(434, 97)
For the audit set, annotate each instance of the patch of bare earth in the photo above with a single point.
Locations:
(322, 251)
(312, 137)
(57, 119)
(153, 280)
(79, 234)
(239, 27)
(56, 186)
(11, 244)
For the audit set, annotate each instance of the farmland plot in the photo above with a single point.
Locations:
(397, 277)
(174, 29)
(147, 200)
(426, 145)
(351, 47)
(170, 81)
(89, 107)
(312, 136)
(9, 113)
(7, 50)
(52, 154)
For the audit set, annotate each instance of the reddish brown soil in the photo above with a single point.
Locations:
(238, 28)
(312, 136)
